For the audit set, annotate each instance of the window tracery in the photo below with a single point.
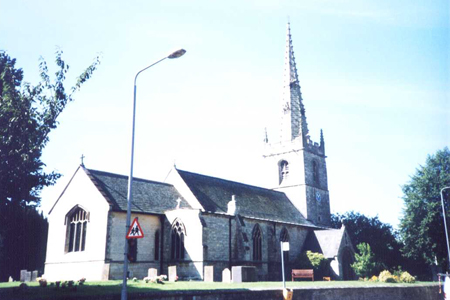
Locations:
(76, 222)
(177, 246)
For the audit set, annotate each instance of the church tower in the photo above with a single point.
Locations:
(297, 163)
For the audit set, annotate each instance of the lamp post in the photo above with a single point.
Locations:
(445, 225)
(175, 54)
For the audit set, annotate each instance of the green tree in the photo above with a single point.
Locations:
(364, 265)
(422, 227)
(381, 236)
(315, 261)
(27, 115)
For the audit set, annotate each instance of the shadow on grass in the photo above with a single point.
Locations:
(110, 290)
(104, 290)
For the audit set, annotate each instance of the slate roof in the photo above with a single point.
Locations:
(254, 202)
(330, 241)
(148, 196)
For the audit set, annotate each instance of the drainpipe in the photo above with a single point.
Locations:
(229, 243)
(161, 245)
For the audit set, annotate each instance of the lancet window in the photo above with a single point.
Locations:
(257, 243)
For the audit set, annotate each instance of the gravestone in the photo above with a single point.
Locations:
(28, 277)
(152, 273)
(226, 275)
(105, 271)
(34, 275)
(10, 279)
(209, 274)
(172, 273)
(243, 274)
(23, 274)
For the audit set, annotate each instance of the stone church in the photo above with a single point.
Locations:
(193, 220)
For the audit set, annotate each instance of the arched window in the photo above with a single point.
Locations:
(257, 243)
(157, 245)
(315, 172)
(283, 170)
(76, 222)
(284, 237)
(177, 246)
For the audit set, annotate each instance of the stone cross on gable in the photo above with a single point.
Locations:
(82, 159)
(178, 203)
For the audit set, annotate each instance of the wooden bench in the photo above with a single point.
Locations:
(308, 273)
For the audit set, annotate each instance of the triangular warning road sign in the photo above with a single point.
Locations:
(135, 231)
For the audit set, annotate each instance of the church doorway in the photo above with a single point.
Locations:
(347, 260)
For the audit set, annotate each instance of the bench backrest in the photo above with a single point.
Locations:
(306, 272)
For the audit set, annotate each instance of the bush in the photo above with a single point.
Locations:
(386, 276)
(42, 282)
(364, 265)
(82, 281)
(407, 278)
(373, 278)
(317, 262)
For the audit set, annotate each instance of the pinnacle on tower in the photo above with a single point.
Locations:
(294, 119)
(322, 141)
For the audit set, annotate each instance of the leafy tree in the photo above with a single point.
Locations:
(315, 261)
(364, 265)
(421, 227)
(381, 237)
(27, 115)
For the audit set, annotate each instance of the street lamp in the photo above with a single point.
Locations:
(445, 224)
(172, 55)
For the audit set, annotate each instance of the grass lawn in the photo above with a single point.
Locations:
(34, 291)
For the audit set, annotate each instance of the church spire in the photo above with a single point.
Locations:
(293, 115)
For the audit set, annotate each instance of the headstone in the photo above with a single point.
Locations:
(226, 275)
(152, 273)
(28, 277)
(243, 274)
(23, 274)
(10, 279)
(34, 275)
(105, 272)
(172, 273)
(209, 274)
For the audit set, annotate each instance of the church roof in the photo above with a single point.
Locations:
(251, 201)
(148, 196)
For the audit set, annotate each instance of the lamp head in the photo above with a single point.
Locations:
(177, 54)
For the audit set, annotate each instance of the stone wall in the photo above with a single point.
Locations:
(62, 265)
(145, 247)
(430, 292)
(191, 267)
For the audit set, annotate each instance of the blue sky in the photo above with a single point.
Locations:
(374, 77)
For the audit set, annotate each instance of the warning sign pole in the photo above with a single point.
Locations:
(124, 294)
